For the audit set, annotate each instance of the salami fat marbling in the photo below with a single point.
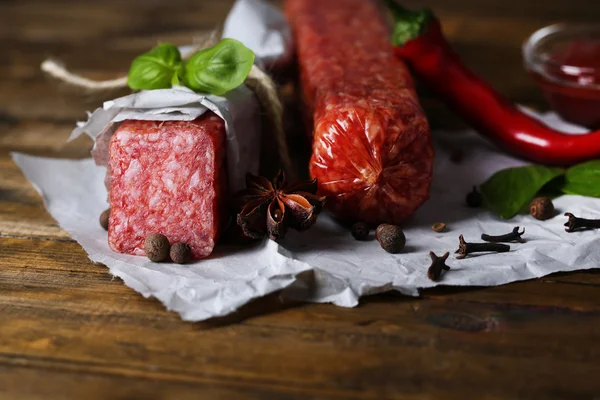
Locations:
(170, 178)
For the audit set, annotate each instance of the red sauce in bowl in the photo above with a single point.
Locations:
(565, 61)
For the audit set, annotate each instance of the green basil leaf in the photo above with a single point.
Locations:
(155, 69)
(507, 191)
(220, 68)
(583, 179)
(177, 76)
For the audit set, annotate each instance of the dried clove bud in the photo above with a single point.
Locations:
(541, 208)
(390, 237)
(465, 248)
(104, 219)
(180, 253)
(438, 227)
(574, 223)
(156, 247)
(509, 237)
(360, 231)
(474, 198)
(438, 265)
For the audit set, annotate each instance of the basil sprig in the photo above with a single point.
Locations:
(510, 190)
(156, 68)
(219, 69)
(215, 70)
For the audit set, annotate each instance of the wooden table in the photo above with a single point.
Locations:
(70, 330)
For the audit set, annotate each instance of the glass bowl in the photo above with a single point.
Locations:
(564, 60)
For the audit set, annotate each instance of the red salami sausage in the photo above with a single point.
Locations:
(167, 177)
(372, 151)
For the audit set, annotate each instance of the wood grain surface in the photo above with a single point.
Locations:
(70, 330)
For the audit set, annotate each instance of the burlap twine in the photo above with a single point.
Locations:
(257, 80)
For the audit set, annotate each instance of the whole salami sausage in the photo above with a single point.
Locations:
(169, 178)
(372, 151)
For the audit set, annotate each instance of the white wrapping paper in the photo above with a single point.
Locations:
(239, 109)
(325, 264)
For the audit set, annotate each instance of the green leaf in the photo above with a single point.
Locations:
(583, 179)
(155, 69)
(177, 76)
(220, 68)
(507, 191)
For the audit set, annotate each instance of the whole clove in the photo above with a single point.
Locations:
(474, 198)
(515, 235)
(464, 248)
(574, 223)
(438, 265)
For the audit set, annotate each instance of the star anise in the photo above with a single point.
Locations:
(269, 208)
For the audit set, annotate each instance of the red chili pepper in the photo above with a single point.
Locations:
(419, 41)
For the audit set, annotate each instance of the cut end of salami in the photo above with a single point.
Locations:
(372, 151)
(167, 177)
(379, 168)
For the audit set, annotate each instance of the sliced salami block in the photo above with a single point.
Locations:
(170, 178)
(372, 151)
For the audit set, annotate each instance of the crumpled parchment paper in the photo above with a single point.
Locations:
(325, 264)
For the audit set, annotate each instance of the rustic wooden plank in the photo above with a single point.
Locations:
(43, 138)
(22, 382)
(391, 345)
(22, 213)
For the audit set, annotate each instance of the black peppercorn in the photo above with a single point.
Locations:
(474, 198)
(180, 253)
(360, 231)
(390, 237)
(104, 219)
(541, 208)
(156, 247)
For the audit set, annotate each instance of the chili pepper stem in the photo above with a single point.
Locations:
(409, 24)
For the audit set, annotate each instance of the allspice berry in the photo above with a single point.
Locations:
(360, 231)
(156, 247)
(104, 219)
(180, 253)
(390, 237)
(541, 208)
